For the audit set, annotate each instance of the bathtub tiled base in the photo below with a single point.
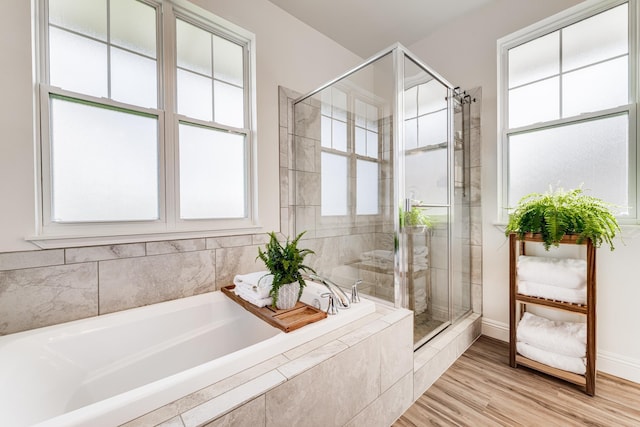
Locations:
(363, 374)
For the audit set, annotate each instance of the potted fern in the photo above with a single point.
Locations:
(556, 213)
(285, 262)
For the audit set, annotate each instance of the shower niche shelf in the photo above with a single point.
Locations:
(517, 300)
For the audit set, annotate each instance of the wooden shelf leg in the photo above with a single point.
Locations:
(512, 300)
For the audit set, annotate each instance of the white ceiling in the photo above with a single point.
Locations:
(368, 26)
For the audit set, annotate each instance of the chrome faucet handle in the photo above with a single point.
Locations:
(331, 307)
(355, 296)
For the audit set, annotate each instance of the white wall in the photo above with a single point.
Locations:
(289, 53)
(464, 52)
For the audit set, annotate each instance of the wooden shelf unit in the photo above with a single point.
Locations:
(588, 381)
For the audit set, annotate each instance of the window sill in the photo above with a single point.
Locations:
(58, 242)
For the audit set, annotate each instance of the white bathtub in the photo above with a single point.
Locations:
(107, 370)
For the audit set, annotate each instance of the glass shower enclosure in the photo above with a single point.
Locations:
(379, 187)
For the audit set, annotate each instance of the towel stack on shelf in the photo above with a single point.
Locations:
(562, 279)
(254, 287)
(558, 344)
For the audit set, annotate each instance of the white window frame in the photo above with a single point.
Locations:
(169, 225)
(350, 152)
(570, 16)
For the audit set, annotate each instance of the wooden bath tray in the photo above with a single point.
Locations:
(287, 320)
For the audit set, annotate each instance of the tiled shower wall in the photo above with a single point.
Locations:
(341, 240)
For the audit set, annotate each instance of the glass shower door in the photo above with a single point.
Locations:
(427, 208)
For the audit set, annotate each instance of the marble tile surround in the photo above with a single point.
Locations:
(343, 379)
(46, 287)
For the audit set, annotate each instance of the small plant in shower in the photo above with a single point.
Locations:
(415, 218)
(285, 263)
(557, 213)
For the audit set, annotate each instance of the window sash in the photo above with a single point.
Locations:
(548, 26)
(345, 114)
(168, 163)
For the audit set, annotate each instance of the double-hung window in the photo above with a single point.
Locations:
(350, 156)
(567, 106)
(147, 116)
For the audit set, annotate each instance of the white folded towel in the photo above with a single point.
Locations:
(566, 338)
(259, 283)
(251, 297)
(563, 272)
(576, 296)
(576, 365)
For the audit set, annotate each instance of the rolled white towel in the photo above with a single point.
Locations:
(576, 365)
(563, 272)
(420, 251)
(576, 296)
(259, 283)
(251, 297)
(566, 338)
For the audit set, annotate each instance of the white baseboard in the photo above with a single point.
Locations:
(618, 365)
(495, 329)
(607, 362)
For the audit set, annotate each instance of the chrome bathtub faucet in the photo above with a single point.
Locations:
(331, 306)
(338, 294)
(355, 296)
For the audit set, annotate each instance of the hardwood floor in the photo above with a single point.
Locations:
(481, 389)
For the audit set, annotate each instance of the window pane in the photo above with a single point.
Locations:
(411, 102)
(133, 26)
(87, 16)
(333, 185)
(339, 135)
(228, 61)
(193, 47)
(593, 154)
(194, 96)
(535, 60)
(432, 129)
(229, 104)
(361, 141)
(361, 113)
(366, 188)
(372, 117)
(77, 63)
(133, 79)
(432, 96)
(325, 132)
(426, 176)
(372, 144)
(600, 37)
(104, 164)
(325, 109)
(339, 99)
(597, 87)
(411, 134)
(537, 102)
(212, 173)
